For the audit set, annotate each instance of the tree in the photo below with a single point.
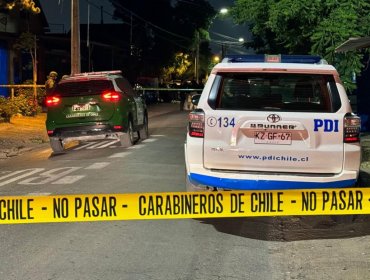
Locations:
(178, 68)
(27, 43)
(163, 28)
(28, 5)
(307, 27)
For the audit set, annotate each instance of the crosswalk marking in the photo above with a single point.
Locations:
(39, 194)
(84, 146)
(149, 140)
(120, 155)
(97, 145)
(69, 179)
(98, 165)
(103, 144)
(136, 147)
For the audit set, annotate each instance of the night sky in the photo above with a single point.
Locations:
(57, 13)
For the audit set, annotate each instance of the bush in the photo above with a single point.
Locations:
(7, 109)
(29, 92)
(26, 105)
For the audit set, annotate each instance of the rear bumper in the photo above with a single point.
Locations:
(202, 178)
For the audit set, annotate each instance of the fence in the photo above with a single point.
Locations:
(152, 95)
(13, 87)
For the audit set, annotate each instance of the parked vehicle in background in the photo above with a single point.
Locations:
(95, 105)
(272, 122)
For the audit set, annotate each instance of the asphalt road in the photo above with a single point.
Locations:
(248, 248)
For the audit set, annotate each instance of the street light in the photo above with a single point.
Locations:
(224, 11)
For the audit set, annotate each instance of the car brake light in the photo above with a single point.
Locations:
(50, 132)
(117, 127)
(196, 123)
(111, 96)
(52, 100)
(352, 127)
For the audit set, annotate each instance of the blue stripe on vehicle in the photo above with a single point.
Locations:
(246, 184)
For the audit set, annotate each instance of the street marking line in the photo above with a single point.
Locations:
(49, 176)
(97, 145)
(106, 145)
(98, 165)
(68, 180)
(149, 140)
(84, 146)
(102, 144)
(157, 135)
(31, 172)
(135, 147)
(119, 155)
(39, 194)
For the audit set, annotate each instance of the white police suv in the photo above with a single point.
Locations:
(272, 122)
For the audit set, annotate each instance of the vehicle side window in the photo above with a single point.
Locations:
(125, 87)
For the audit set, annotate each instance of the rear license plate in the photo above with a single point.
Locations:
(276, 138)
(79, 108)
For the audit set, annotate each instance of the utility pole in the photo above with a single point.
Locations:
(75, 38)
(88, 36)
(35, 71)
(197, 56)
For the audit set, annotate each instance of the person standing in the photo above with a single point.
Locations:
(51, 82)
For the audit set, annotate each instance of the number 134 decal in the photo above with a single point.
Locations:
(221, 122)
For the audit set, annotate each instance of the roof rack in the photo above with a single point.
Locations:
(305, 59)
(86, 74)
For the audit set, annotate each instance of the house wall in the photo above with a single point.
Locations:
(4, 66)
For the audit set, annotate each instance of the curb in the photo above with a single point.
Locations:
(8, 153)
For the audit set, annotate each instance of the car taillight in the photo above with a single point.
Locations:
(352, 127)
(196, 123)
(52, 100)
(111, 96)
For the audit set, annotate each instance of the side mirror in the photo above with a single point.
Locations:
(195, 99)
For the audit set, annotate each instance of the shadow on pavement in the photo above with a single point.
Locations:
(294, 228)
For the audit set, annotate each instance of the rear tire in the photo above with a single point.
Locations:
(127, 138)
(144, 132)
(56, 145)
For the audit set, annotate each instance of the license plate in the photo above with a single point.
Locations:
(276, 138)
(79, 108)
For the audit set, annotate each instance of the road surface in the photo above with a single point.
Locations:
(237, 249)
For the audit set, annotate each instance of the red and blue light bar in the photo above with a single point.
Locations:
(258, 58)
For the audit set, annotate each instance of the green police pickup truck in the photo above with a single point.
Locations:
(95, 105)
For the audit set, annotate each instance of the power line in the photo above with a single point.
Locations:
(104, 11)
(152, 24)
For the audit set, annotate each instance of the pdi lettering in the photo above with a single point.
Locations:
(326, 125)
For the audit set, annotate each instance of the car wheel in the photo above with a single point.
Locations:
(144, 132)
(56, 145)
(127, 138)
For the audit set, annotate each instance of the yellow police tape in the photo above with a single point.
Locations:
(109, 207)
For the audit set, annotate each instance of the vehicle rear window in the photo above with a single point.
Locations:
(90, 87)
(277, 91)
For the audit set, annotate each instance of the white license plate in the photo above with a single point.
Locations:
(277, 138)
(79, 108)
